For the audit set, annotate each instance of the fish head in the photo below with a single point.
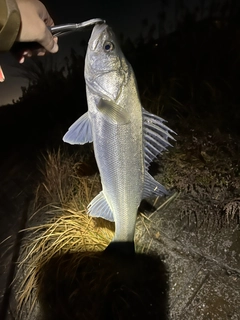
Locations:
(106, 68)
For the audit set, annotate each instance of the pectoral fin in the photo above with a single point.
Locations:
(80, 131)
(100, 208)
(113, 113)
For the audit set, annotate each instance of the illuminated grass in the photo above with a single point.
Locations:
(59, 224)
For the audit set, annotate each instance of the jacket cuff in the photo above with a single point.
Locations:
(10, 21)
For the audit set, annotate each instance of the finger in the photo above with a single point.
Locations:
(48, 41)
(2, 77)
(41, 53)
(20, 56)
(21, 60)
(48, 21)
(29, 53)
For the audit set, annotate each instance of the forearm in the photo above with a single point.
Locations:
(10, 22)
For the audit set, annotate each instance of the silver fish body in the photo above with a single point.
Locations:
(126, 138)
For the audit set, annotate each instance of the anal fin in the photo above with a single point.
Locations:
(100, 208)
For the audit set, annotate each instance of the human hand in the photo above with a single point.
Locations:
(34, 22)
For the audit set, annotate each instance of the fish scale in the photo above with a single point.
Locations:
(114, 161)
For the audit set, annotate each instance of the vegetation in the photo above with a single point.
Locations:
(59, 225)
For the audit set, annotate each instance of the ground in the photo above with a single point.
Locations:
(194, 231)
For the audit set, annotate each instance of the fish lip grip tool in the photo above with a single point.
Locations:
(63, 29)
(57, 30)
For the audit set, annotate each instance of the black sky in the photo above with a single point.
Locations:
(124, 16)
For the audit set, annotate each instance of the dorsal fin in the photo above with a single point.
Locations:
(152, 187)
(156, 135)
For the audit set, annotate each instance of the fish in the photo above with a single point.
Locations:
(126, 137)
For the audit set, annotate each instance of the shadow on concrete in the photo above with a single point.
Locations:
(10, 261)
(103, 285)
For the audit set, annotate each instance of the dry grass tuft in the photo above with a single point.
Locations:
(62, 182)
(70, 232)
(232, 209)
(59, 224)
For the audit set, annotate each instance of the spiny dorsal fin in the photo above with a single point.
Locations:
(156, 135)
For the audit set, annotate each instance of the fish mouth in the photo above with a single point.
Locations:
(98, 29)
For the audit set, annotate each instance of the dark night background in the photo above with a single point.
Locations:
(185, 56)
(123, 16)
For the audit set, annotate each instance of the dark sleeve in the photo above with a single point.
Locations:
(10, 22)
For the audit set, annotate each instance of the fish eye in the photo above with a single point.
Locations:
(108, 46)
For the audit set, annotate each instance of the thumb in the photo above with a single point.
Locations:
(48, 42)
